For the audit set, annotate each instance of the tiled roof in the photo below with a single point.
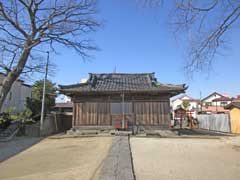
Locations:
(188, 100)
(233, 104)
(214, 93)
(119, 82)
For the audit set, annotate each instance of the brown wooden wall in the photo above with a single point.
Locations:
(99, 113)
(152, 113)
(91, 113)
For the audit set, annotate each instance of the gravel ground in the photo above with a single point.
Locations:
(58, 159)
(16, 145)
(186, 159)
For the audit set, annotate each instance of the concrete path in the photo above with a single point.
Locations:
(118, 163)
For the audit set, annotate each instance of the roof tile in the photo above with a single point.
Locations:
(117, 82)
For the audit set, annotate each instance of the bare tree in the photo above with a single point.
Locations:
(27, 24)
(205, 25)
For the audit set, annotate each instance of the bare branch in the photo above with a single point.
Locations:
(26, 24)
(204, 25)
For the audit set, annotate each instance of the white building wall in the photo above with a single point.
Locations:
(213, 103)
(176, 104)
(218, 103)
(210, 99)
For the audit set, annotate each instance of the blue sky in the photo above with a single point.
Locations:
(135, 40)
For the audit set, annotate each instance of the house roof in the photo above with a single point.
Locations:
(19, 80)
(223, 98)
(189, 100)
(122, 82)
(233, 104)
(211, 95)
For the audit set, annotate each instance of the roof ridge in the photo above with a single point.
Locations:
(215, 92)
(122, 73)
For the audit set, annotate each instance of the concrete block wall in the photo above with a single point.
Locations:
(52, 124)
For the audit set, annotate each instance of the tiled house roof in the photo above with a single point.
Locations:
(214, 93)
(233, 104)
(119, 82)
(223, 98)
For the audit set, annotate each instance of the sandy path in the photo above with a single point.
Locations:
(58, 159)
(185, 159)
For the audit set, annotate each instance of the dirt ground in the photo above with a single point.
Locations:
(186, 159)
(58, 159)
(16, 145)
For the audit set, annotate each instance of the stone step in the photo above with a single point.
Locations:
(10, 130)
(83, 132)
(123, 133)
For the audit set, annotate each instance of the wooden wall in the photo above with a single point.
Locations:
(235, 120)
(91, 113)
(152, 113)
(145, 112)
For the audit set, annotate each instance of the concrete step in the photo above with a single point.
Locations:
(10, 132)
(123, 133)
(83, 132)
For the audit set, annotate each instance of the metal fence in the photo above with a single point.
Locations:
(214, 122)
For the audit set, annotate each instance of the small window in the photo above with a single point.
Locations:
(208, 104)
(116, 108)
(223, 103)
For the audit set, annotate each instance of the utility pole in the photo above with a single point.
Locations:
(201, 101)
(123, 111)
(44, 93)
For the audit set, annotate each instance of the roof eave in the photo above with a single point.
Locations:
(231, 105)
(170, 92)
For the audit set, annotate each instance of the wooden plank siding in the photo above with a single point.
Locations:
(99, 113)
(152, 113)
(91, 113)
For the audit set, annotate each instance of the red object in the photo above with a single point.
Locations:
(182, 113)
(118, 123)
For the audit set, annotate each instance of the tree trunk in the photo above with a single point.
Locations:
(13, 75)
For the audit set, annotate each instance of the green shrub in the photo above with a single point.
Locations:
(35, 103)
(5, 120)
(10, 115)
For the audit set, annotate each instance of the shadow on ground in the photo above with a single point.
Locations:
(16, 146)
(198, 132)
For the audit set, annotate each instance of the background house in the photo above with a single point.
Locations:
(63, 107)
(63, 103)
(16, 97)
(214, 103)
(62, 99)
